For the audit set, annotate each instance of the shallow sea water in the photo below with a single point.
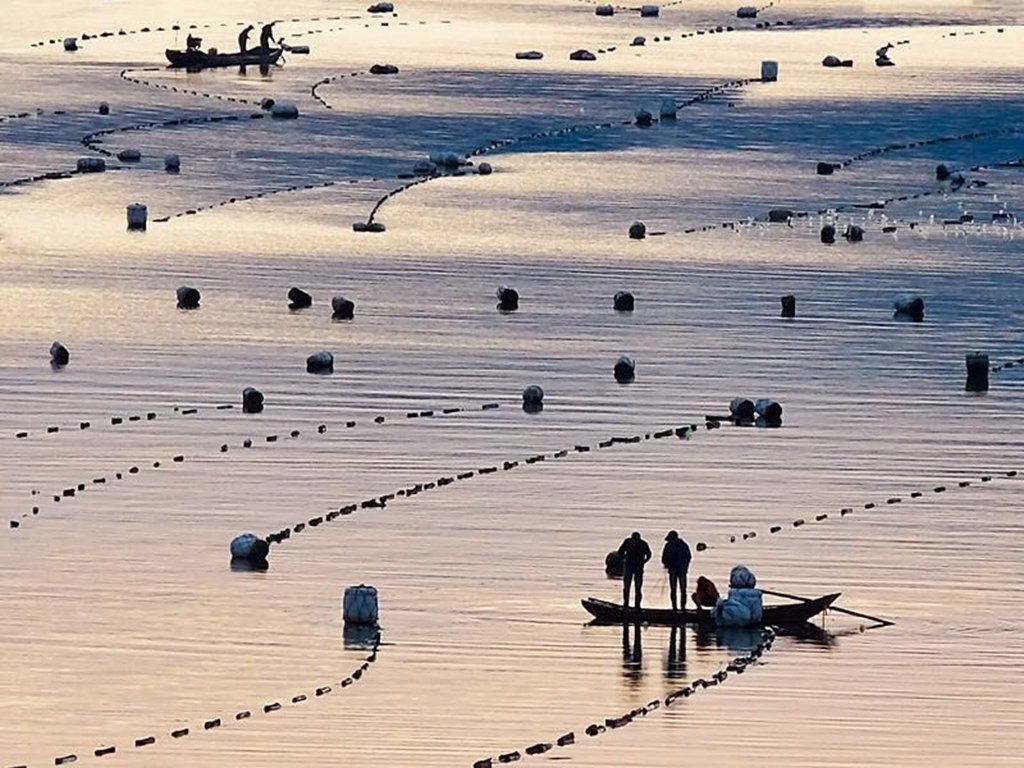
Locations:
(121, 617)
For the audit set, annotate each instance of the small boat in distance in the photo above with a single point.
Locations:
(786, 614)
(196, 59)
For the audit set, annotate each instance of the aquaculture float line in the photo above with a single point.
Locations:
(736, 666)
(219, 721)
(72, 490)
(848, 511)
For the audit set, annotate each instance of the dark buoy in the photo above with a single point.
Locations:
(104, 108)
(769, 413)
(344, 309)
(625, 369)
(853, 233)
(788, 305)
(977, 372)
(299, 299)
(252, 400)
(942, 172)
(780, 215)
(623, 301)
(533, 399)
(828, 234)
(508, 299)
(59, 355)
(826, 169)
(320, 362)
(643, 117)
(741, 409)
(637, 230)
(188, 298)
(909, 308)
(249, 553)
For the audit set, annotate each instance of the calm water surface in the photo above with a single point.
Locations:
(121, 618)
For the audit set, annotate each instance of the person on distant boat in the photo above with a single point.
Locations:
(676, 558)
(635, 553)
(267, 38)
(706, 595)
(243, 38)
(192, 42)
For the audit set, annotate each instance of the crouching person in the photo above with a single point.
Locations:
(743, 606)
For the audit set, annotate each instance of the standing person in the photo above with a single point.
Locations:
(635, 554)
(243, 38)
(676, 559)
(267, 37)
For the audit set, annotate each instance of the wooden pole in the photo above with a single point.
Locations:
(847, 611)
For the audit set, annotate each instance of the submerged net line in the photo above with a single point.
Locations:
(217, 722)
(737, 666)
(71, 490)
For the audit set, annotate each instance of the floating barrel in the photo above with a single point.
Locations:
(320, 362)
(746, 12)
(909, 308)
(252, 400)
(977, 372)
(769, 71)
(283, 111)
(59, 355)
(788, 305)
(625, 369)
(188, 297)
(360, 606)
(533, 399)
(136, 214)
(172, 163)
(769, 411)
(344, 309)
(741, 409)
(637, 230)
(129, 155)
(826, 169)
(649, 11)
(91, 165)
(605, 10)
(623, 301)
(508, 299)
(299, 299)
(828, 234)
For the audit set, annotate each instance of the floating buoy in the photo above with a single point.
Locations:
(129, 155)
(383, 69)
(909, 308)
(741, 409)
(188, 298)
(649, 11)
(381, 8)
(284, 111)
(605, 10)
(582, 55)
(136, 214)
(70, 44)
(484, 169)
(746, 12)
(533, 399)
(637, 230)
(360, 606)
(769, 71)
(59, 355)
(853, 233)
(977, 372)
(267, 103)
(625, 369)
(508, 299)
(828, 234)
(643, 118)
(320, 362)
(344, 309)
(104, 108)
(91, 165)
(788, 305)
(769, 411)
(172, 163)
(623, 301)
(639, 41)
(252, 400)
(668, 109)
(299, 299)
(529, 55)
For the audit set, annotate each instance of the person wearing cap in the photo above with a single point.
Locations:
(676, 559)
(635, 553)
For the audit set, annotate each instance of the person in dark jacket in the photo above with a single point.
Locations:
(267, 37)
(635, 553)
(676, 559)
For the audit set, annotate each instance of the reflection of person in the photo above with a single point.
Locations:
(635, 554)
(676, 559)
(632, 652)
(243, 38)
(267, 37)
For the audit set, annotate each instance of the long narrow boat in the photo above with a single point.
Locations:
(193, 59)
(787, 614)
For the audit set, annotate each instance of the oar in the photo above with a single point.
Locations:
(847, 611)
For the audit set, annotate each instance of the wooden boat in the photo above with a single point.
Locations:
(193, 59)
(787, 614)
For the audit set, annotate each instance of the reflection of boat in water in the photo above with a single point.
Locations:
(605, 612)
(195, 59)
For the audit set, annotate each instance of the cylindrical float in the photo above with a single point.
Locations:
(137, 213)
(977, 372)
(623, 301)
(320, 362)
(649, 11)
(625, 369)
(59, 355)
(252, 400)
(828, 234)
(344, 309)
(188, 297)
(172, 163)
(637, 230)
(360, 606)
(282, 111)
(668, 109)
(769, 71)
(605, 10)
(788, 305)
(91, 165)
(249, 546)
(533, 399)
(769, 411)
(508, 299)
(742, 409)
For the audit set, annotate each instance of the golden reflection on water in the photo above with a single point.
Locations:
(121, 617)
